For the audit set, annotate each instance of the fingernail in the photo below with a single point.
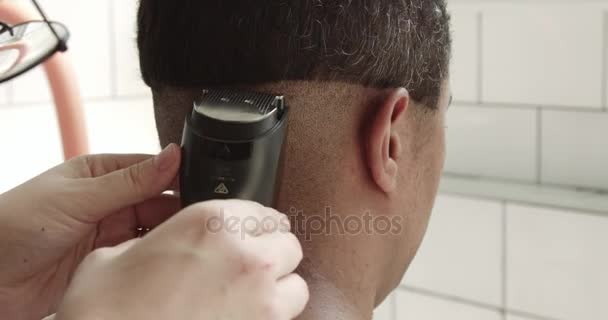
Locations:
(163, 160)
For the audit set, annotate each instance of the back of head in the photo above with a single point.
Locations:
(373, 43)
(355, 142)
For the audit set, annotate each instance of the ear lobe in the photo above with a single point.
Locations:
(383, 144)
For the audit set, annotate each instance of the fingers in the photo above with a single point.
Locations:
(101, 164)
(270, 237)
(240, 226)
(265, 259)
(282, 249)
(103, 255)
(293, 291)
(129, 185)
(174, 186)
(151, 213)
(124, 225)
(121, 248)
(265, 221)
(232, 217)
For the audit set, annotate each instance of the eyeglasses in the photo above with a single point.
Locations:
(28, 44)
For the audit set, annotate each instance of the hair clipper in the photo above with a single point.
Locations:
(232, 146)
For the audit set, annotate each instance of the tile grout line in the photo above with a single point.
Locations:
(539, 146)
(604, 60)
(571, 210)
(518, 105)
(595, 191)
(447, 297)
(504, 273)
(479, 58)
(470, 303)
(112, 48)
(530, 316)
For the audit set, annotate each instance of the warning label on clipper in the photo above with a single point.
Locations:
(221, 189)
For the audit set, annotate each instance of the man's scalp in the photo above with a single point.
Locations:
(375, 43)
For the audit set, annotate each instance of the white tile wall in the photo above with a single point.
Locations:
(605, 56)
(30, 143)
(492, 142)
(533, 54)
(128, 77)
(464, 70)
(420, 307)
(557, 263)
(4, 94)
(386, 310)
(103, 60)
(89, 50)
(575, 149)
(461, 254)
(512, 317)
(547, 54)
(31, 87)
(122, 126)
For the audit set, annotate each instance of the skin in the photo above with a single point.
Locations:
(49, 224)
(83, 215)
(182, 270)
(357, 151)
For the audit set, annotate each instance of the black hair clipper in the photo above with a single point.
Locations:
(232, 146)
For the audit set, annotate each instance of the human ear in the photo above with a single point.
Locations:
(382, 141)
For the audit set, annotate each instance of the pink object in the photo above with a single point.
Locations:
(64, 87)
(20, 47)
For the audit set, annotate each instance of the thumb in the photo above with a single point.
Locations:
(134, 183)
(121, 248)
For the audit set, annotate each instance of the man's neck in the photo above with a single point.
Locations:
(329, 302)
(344, 268)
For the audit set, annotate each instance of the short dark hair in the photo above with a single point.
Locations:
(374, 43)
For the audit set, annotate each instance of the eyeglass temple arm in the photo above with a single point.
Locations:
(62, 44)
(62, 80)
(6, 27)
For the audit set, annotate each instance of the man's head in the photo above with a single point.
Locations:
(367, 83)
